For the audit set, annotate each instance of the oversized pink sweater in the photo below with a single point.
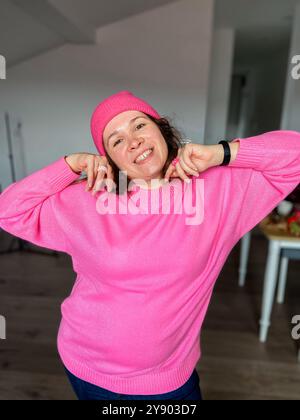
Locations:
(144, 281)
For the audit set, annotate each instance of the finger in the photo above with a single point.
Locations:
(169, 172)
(104, 177)
(192, 170)
(99, 184)
(99, 178)
(181, 173)
(188, 163)
(187, 168)
(90, 173)
(110, 173)
(110, 177)
(199, 163)
(174, 174)
(96, 166)
(95, 170)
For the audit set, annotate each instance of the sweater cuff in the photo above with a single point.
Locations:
(59, 175)
(251, 152)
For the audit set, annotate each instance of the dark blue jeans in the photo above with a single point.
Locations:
(87, 391)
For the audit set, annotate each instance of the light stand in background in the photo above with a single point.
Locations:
(22, 245)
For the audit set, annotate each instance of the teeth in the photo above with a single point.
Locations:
(144, 155)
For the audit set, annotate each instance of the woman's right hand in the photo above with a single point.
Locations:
(89, 163)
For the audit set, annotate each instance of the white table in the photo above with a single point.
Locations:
(280, 247)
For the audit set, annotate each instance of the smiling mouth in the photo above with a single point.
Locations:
(143, 157)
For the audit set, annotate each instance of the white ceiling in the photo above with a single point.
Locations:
(21, 36)
(102, 12)
(26, 31)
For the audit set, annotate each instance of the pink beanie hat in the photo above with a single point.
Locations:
(112, 106)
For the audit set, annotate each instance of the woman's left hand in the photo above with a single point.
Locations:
(195, 158)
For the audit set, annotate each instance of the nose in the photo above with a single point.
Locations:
(135, 143)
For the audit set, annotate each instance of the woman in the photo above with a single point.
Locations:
(131, 326)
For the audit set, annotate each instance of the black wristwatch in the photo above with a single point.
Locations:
(227, 153)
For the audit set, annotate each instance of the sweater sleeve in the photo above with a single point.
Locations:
(31, 208)
(265, 171)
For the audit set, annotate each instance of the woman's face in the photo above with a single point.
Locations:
(127, 137)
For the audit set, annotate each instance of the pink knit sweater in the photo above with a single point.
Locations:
(144, 281)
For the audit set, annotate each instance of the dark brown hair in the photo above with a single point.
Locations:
(173, 139)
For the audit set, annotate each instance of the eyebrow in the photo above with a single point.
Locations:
(117, 131)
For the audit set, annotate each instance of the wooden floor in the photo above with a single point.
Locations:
(234, 364)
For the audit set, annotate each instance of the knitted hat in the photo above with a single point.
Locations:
(112, 106)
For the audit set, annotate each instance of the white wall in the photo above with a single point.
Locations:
(290, 117)
(219, 85)
(270, 86)
(264, 91)
(162, 55)
(14, 168)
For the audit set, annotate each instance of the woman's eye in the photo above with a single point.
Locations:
(140, 125)
(117, 142)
